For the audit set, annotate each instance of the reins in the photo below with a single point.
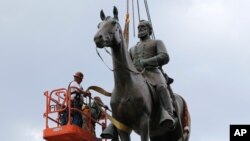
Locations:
(128, 69)
(97, 52)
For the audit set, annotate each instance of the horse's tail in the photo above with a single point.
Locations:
(186, 121)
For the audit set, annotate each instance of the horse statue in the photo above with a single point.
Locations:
(131, 101)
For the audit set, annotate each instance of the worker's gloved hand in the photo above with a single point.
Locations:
(106, 107)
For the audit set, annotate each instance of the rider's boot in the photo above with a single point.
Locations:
(167, 116)
(167, 119)
(110, 133)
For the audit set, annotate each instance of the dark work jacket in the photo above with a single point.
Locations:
(95, 111)
(150, 54)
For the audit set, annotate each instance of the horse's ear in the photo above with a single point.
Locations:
(102, 15)
(115, 12)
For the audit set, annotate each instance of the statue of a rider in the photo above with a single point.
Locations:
(150, 55)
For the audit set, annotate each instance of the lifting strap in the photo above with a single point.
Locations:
(117, 123)
(126, 30)
(99, 90)
(126, 26)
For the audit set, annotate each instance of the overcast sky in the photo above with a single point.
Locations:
(44, 42)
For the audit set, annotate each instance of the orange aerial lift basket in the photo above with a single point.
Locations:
(58, 101)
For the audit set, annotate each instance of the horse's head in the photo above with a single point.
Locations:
(109, 32)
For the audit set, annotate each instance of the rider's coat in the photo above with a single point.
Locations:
(150, 54)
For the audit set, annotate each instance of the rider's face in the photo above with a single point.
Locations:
(143, 30)
(142, 27)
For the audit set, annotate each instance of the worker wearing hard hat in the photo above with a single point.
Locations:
(76, 98)
(77, 92)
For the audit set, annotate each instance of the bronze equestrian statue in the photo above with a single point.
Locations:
(140, 99)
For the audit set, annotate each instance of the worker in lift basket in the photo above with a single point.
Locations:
(76, 97)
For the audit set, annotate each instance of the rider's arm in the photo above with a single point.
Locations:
(161, 57)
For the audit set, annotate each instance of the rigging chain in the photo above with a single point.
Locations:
(149, 18)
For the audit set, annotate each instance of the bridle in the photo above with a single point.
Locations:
(117, 29)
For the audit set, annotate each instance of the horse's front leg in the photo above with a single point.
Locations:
(124, 136)
(144, 126)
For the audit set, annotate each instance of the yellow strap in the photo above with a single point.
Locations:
(117, 123)
(99, 90)
(126, 30)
